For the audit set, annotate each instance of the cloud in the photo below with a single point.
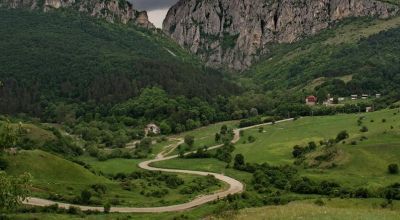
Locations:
(152, 4)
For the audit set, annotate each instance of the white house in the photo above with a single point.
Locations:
(152, 128)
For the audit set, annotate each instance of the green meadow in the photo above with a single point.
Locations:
(61, 180)
(363, 164)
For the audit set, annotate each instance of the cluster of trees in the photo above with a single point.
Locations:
(299, 151)
(267, 178)
(199, 185)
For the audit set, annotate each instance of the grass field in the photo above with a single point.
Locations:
(364, 164)
(53, 176)
(335, 209)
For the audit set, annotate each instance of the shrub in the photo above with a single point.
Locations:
(383, 120)
(189, 140)
(393, 168)
(107, 207)
(85, 196)
(353, 143)
(342, 136)
(251, 139)
(319, 202)
(364, 129)
(3, 163)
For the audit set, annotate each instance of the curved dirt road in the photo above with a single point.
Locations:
(234, 186)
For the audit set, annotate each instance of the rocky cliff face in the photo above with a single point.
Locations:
(111, 10)
(235, 33)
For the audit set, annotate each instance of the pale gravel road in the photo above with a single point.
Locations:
(234, 186)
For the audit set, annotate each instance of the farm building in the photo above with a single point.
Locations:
(311, 100)
(152, 129)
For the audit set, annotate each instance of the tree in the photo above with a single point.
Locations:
(189, 140)
(165, 128)
(85, 196)
(393, 168)
(253, 112)
(239, 161)
(217, 137)
(107, 208)
(13, 191)
(224, 129)
(8, 136)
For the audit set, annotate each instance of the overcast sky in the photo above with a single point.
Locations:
(157, 9)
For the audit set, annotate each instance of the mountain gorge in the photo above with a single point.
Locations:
(236, 33)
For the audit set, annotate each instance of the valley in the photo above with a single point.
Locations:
(232, 110)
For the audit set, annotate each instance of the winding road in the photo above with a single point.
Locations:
(234, 186)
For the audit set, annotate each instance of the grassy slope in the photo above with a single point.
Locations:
(316, 56)
(55, 175)
(335, 209)
(362, 165)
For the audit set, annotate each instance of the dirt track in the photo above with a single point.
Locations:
(234, 186)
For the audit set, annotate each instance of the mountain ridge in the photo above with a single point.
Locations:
(113, 11)
(237, 33)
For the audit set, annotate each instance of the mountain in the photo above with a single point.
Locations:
(112, 11)
(355, 56)
(235, 33)
(63, 56)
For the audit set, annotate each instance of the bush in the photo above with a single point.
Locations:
(393, 168)
(342, 136)
(251, 139)
(3, 163)
(364, 129)
(85, 196)
(319, 202)
(107, 207)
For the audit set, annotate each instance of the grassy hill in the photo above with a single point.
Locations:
(363, 164)
(62, 180)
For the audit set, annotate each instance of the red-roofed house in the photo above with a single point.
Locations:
(311, 100)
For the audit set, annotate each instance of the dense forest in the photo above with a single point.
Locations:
(68, 57)
(321, 64)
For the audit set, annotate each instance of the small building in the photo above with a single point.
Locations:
(369, 109)
(152, 129)
(311, 100)
(354, 97)
(378, 96)
(365, 96)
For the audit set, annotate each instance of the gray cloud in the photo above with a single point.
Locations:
(152, 4)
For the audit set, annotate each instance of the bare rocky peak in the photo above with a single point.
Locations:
(111, 10)
(235, 33)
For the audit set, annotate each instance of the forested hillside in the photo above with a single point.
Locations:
(49, 57)
(358, 56)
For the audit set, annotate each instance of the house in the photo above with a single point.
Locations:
(311, 100)
(378, 96)
(354, 97)
(152, 129)
(365, 96)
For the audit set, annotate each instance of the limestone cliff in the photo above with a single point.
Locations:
(111, 10)
(235, 33)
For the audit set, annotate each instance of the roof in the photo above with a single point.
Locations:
(311, 98)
